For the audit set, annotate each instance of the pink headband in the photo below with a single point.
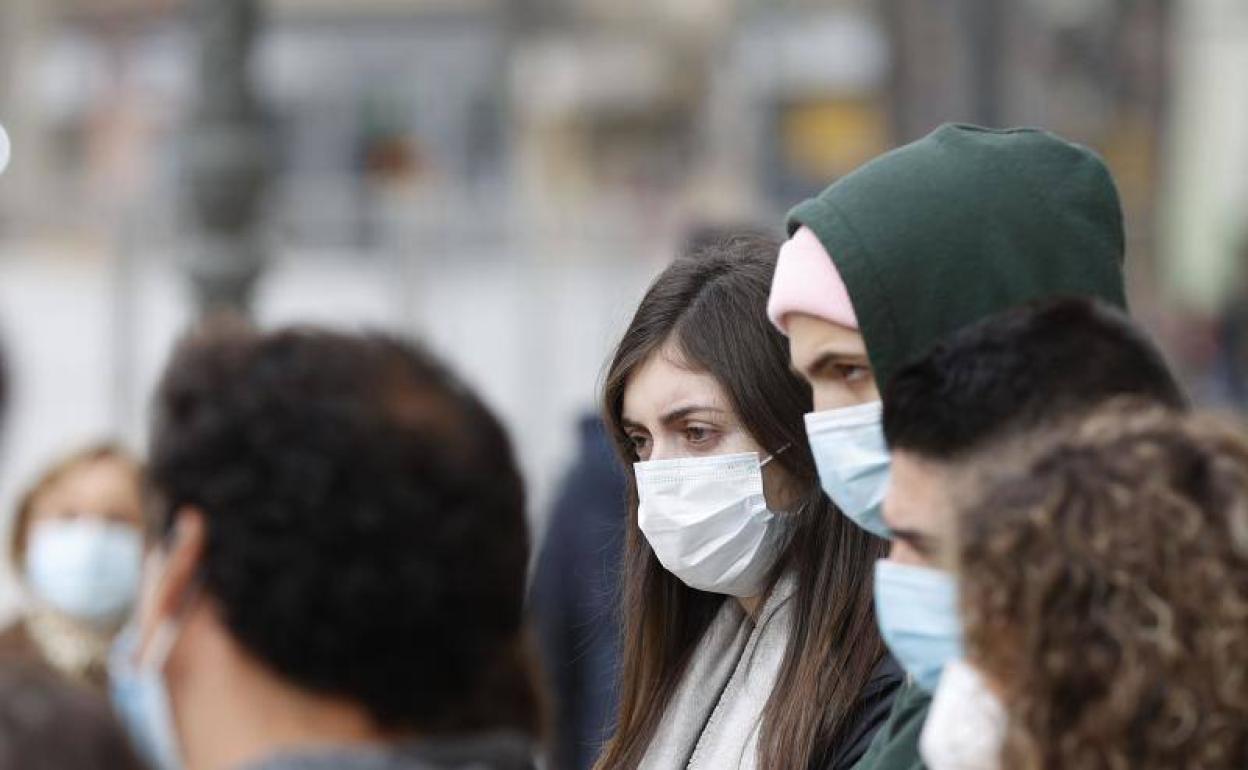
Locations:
(807, 281)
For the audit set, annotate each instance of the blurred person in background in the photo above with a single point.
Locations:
(1104, 588)
(341, 569)
(894, 256)
(749, 638)
(1001, 379)
(48, 722)
(77, 547)
(575, 599)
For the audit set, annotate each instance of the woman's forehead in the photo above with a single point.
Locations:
(665, 383)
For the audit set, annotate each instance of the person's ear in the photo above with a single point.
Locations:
(781, 489)
(171, 574)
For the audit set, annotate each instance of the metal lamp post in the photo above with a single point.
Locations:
(227, 168)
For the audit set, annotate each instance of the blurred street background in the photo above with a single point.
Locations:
(502, 178)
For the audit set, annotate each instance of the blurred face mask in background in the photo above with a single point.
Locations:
(87, 568)
(965, 727)
(137, 684)
(138, 694)
(708, 522)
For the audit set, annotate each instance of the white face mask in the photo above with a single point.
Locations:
(88, 569)
(852, 458)
(965, 727)
(708, 522)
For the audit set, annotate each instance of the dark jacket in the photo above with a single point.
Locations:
(15, 642)
(896, 745)
(575, 599)
(874, 709)
(487, 751)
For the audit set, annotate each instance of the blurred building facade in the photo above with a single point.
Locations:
(641, 115)
(501, 177)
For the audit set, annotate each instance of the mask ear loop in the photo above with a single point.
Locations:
(162, 644)
(170, 629)
(774, 455)
(167, 633)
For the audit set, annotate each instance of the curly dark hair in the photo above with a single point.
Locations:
(1015, 371)
(366, 535)
(1104, 585)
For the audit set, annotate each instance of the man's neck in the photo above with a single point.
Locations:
(233, 712)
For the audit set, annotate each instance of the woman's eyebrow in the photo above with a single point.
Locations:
(681, 413)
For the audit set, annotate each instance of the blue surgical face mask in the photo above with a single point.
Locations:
(852, 458)
(917, 609)
(87, 568)
(141, 701)
(138, 690)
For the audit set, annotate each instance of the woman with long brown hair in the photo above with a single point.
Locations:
(749, 634)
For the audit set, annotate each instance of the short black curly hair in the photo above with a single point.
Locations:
(366, 536)
(1021, 369)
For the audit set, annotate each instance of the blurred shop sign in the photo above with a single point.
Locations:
(822, 140)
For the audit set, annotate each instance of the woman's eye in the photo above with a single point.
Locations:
(696, 435)
(639, 442)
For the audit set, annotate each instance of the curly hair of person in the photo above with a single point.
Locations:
(1104, 586)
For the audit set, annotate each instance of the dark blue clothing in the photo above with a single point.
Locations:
(575, 599)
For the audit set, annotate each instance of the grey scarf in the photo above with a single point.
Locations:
(714, 717)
